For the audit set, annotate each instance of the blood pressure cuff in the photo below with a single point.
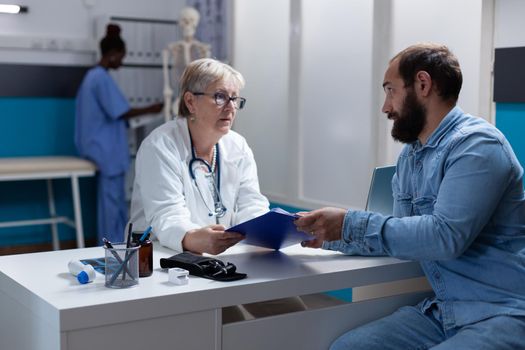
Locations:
(202, 266)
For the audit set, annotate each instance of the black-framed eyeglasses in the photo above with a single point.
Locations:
(221, 99)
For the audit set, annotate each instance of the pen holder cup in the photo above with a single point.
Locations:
(122, 266)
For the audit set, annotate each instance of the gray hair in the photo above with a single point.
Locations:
(200, 74)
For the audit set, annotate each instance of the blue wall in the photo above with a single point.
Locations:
(510, 119)
(40, 127)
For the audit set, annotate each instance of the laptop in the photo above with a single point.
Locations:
(380, 198)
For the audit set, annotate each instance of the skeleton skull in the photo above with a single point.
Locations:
(188, 21)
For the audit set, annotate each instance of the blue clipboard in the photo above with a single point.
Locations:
(274, 230)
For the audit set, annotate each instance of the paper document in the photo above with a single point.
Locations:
(99, 264)
(274, 230)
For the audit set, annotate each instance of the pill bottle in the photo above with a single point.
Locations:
(145, 254)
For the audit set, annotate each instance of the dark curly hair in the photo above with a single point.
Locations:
(112, 40)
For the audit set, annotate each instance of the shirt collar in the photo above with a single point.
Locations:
(448, 122)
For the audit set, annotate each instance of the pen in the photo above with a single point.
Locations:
(128, 241)
(108, 245)
(145, 234)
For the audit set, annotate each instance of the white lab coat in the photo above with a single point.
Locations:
(165, 195)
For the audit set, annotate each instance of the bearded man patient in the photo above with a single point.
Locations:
(459, 209)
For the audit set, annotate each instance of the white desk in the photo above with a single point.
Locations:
(43, 307)
(49, 168)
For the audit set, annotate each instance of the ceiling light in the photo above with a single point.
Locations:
(14, 9)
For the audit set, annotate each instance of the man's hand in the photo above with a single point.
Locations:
(210, 239)
(325, 224)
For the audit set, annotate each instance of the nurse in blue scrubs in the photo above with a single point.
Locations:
(101, 125)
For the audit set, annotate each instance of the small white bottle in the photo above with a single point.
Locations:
(84, 273)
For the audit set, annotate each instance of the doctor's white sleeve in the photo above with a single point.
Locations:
(159, 174)
(250, 203)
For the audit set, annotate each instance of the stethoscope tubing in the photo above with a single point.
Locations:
(216, 184)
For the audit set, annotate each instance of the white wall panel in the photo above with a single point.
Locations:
(261, 54)
(308, 117)
(336, 143)
(509, 23)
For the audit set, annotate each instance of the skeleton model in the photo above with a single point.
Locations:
(182, 52)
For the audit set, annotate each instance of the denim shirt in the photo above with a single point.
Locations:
(459, 209)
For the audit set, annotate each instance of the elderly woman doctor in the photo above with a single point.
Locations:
(194, 175)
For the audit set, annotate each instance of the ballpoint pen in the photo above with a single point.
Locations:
(108, 245)
(145, 234)
(128, 243)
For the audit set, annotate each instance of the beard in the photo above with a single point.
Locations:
(410, 122)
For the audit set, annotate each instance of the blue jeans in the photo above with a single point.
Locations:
(410, 329)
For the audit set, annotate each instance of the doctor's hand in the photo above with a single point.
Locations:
(210, 239)
(325, 224)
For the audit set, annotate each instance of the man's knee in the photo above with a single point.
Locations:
(338, 345)
(358, 338)
(343, 342)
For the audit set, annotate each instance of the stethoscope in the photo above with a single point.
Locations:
(219, 210)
